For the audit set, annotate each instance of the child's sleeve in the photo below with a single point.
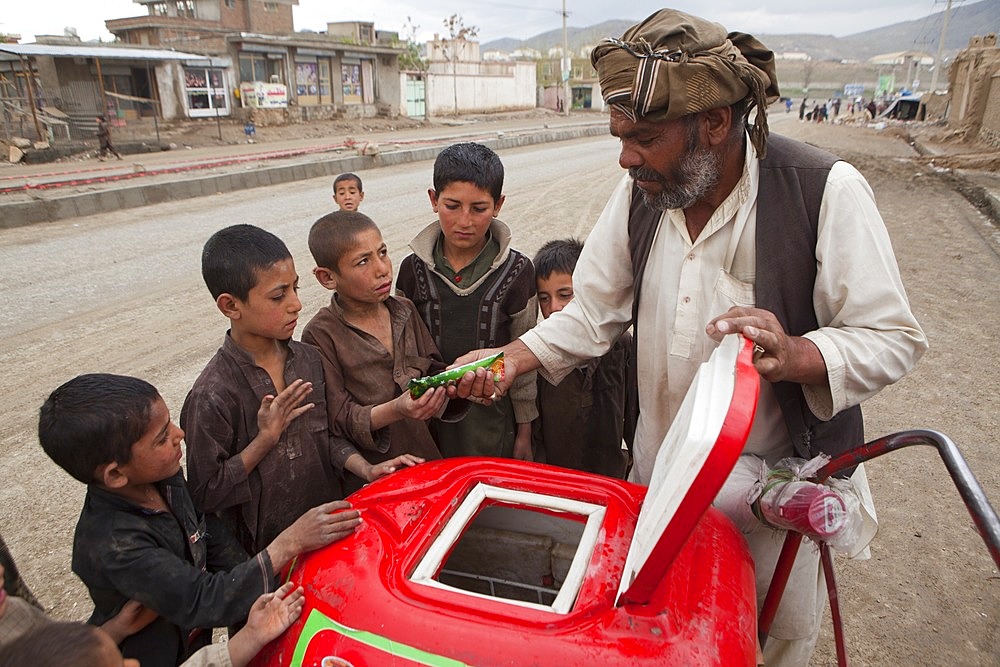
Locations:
(217, 476)
(348, 418)
(178, 591)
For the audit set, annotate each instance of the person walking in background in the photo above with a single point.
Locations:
(104, 137)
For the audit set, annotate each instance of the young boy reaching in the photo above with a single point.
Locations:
(372, 343)
(256, 454)
(473, 291)
(139, 536)
(347, 192)
(580, 420)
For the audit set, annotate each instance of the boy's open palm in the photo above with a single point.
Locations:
(430, 404)
(272, 613)
(277, 412)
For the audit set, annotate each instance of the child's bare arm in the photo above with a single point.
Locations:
(316, 528)
(270, 615)
(430, 404)
(273, 417)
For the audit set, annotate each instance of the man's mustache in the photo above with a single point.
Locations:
(639, 174)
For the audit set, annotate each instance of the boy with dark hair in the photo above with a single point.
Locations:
(139, 536)
(372, 344)
(257, 455)
(580, 420)
(473, 291)
(347, 192)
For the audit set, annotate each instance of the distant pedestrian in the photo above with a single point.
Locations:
(788, 105)
(104, 137)
(802, 109)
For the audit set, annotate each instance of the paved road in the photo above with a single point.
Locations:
(122, 293)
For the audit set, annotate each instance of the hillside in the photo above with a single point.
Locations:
(967, 20)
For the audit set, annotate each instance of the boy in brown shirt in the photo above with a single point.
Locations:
(258, 454)
(372, 344)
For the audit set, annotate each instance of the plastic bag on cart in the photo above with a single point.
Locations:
(781, 497)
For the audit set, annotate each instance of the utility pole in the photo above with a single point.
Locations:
(567, 65)
(940, 53)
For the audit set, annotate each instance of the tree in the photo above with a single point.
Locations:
(457, 32)
(410, 59)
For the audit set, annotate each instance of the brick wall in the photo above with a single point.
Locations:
(274, 21)
(974, 87)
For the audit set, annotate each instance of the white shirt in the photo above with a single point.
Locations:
(867, 335)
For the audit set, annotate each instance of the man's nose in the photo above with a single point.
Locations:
(628, 158)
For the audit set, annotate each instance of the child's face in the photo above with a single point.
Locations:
(271, 309)
(157, 454)
(465, 212)
(554, 292)
(364, 273)
(348, 195)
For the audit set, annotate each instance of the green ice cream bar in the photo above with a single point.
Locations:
(420, 385)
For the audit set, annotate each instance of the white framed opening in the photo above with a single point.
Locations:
(516, 547)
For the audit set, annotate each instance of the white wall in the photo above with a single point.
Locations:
(483, 92)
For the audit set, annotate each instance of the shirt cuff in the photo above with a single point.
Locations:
(826, 401)
(554, 368)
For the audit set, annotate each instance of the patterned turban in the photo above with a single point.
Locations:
(674, 64)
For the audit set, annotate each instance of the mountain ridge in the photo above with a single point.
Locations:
(922, 34)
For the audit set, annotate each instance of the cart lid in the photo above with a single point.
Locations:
(694, 460)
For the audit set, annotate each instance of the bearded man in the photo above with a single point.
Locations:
(719, 229)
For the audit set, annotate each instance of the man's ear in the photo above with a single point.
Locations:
(228, 305)
(499, 205)
(716, 123)
(111, 475)
(325, 277)
(434, 198)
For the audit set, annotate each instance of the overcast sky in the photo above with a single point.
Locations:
(503, 18)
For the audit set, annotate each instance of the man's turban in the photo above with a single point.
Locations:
(674, 64)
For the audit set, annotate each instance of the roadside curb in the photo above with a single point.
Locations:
(19, 214)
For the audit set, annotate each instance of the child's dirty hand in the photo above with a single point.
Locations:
(430, 404)
(324, 524)
(386, 467)
(272, 613)
(277, 412)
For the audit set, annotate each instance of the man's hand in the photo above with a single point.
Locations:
(778, 357)
(479, 387)
(277, 412)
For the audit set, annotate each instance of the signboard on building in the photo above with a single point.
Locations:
(261, 95)
(886, 84)
(854, 90)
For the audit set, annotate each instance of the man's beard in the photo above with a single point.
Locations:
(692, 179)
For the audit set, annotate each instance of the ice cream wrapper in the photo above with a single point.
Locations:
(493, 364)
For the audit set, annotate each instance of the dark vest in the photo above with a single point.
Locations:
(792, 179)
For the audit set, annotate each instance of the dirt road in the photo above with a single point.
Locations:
(121, 293)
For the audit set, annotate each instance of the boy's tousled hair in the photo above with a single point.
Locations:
(469, 163)
(93, 420)
(348, 177)
(54, 645)
(557, 256)
(333, 235)
(233, 256)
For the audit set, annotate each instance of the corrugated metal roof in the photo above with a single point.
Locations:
(108, 52)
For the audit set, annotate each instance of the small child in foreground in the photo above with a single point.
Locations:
(581, 419)
(139, 536)
(348, 192)
(60, 644)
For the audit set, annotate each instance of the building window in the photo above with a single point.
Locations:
(306, 79)
(185, 8)
(158, 9)
(258, 67)
(205, 91)
(231, 4)
(270, 6)
(350, 77)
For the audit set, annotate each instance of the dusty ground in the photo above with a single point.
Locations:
(930, 595)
